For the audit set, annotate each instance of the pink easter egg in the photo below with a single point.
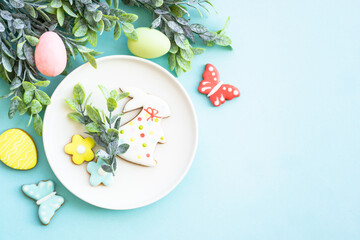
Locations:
(50, 54)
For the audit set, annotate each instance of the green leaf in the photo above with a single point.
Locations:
(17, 3)
(175, 27)
(28, 96)
(32, 40)
(117, 31)
(7, 51)
(158, 3)
(60, 16)
(77, 117)
(6, 63)
(114, 94)
(117, 124)
(14, 106)
(43, 98)
(28, 86)
(84, 49)
(79, 94)
(42, 83)
(22, 108)
(127, 27)
(223, 40)
(226, 25)
(181, 41)
(19, 50)
(67, 9)
(80, 29)
(172, 61)
(71, 103)
(35, 106)
(93, 127)
(128, 17)
(111, 104)
(30, 10)
(92, 37)
(91, 60)
(156, 23)
(177, 11)
(104, 91)
(198, 51)
(187, 54)
(29, 54)
(109, 2)
(174, 48)
(93, 114)
(107, 168)
(56, 3)
(38, 124)
(185, 65)
(132, 35)
(112, 134)
(110, 17)
(122, 148)
(121, 96)
(101, 26)
(97, 16)
(198, 28)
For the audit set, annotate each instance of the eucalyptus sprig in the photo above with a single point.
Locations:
(77, 22)
(172, 17)
(104, 128)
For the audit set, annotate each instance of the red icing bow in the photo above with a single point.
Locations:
(152, 112)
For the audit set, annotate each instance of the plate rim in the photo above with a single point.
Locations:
(192, 108)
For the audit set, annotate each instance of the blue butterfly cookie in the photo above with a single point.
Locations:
(98, 175)
(45, 196)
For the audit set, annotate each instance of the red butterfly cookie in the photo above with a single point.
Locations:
(215, 89)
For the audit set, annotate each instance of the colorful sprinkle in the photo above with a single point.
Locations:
(162, 138)
(122, 131)
(139, 157)
(132, 139)
(147, 155)
(151, 132)
(141, 127)
(147, 115)
(142, 135)
(131, 123)
(139, 118)
(144, 145)
(156, 119)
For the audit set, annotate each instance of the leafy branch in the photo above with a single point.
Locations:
(77, 22)
(172, 17)
(103, 128)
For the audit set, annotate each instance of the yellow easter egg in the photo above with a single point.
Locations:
(151, 43)
(17, 149)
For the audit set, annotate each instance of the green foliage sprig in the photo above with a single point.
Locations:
(172, 17)
(77, 22)
(103, 128)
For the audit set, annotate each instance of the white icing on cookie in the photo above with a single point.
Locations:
(144, 131)
(80, 149)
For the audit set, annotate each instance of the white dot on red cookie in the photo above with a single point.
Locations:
(236, 92)
(211, 69)
(224, 88)
(213, 74)
(230, 89)
(222, 98)
(215, 79)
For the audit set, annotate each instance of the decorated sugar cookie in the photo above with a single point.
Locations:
(18, 150)
(215, 89)
(80, 149)
(45, 196)
(144, 131)
(98, 175)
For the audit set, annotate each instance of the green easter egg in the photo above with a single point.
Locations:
(151, 43)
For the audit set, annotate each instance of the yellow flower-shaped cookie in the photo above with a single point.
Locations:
(80, 149)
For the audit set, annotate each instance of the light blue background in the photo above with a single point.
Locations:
(280, 162)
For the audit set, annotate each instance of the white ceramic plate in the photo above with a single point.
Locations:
(135, 186)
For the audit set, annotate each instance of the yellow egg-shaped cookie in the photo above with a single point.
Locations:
(17, 149)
